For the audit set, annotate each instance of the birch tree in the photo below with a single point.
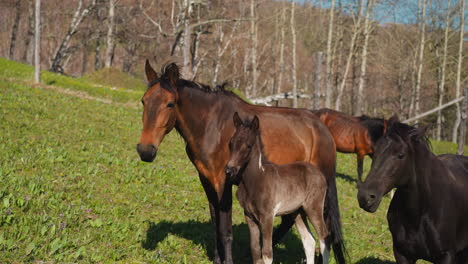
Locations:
(293, 33)
(281, 52)
(110, 35)
(29, 40)
(253, 49)
(362, 75)
(441, 83)
(328, 92)
(63, 50)
(37, 43)
(356, 31)
(459, 66)
(422, 44)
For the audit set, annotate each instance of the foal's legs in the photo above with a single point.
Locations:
(254, 239)
(266, 225)
(286, 223)
(308, 240)
(314, 212)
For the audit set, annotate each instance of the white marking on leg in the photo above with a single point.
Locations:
(267, 260)
(276, 209)
(308, 241)
(324, 251)
(260, 166)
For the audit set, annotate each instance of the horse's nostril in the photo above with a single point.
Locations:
(372, 196)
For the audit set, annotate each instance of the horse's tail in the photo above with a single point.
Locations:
(332, 219)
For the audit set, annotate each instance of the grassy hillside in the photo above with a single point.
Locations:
(72, 188)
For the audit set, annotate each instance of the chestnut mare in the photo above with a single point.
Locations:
(428, 214)
(267, 190)
(204, 120)
(353, 134)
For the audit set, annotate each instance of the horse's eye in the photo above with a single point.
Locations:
(401, 155)
(171, 105)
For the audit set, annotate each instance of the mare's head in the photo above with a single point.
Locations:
(241, 146)
(159, 107)
(392, 164)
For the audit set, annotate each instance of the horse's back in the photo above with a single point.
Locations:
(457, 164)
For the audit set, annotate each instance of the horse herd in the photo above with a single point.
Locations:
(284, 161)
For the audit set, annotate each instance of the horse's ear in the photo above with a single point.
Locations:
(420, 132)
(385, 126)
(151, 75)
(172, 73)
(393, 120)
(237, 120)
(255, 123)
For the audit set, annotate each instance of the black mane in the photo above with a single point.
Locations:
(172, 69)
(375, 127)
(407, 133)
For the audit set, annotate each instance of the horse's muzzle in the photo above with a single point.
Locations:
(369, 201)
(147, 152)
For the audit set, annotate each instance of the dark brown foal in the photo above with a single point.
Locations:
(267, 190)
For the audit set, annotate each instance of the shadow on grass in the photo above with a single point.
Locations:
(372, 260)
(346, 177)
(290, 250)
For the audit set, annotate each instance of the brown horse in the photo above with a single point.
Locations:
(204, 120)
(353, 134)
(265, 190)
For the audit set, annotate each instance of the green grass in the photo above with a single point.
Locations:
(72, 188)
(115, 78)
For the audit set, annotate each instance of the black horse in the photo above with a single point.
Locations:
(428, 214)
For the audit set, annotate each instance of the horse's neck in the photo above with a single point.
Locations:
(193, 116)
(255, 166)
(421, 183)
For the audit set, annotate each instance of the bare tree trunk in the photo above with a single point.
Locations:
(62, 51)
(14, 31)
(441, 86)
(187, 41)
(110, 35)
(254, 43)
(356, 31)
(97, 53)
(29, 40)
(460, 61)
(362, 76)
(318, 80)
(293, 32)
(37, 43)
(464, 120)
(422, 44)
(328, 93)
(221, 50)
(281, 58)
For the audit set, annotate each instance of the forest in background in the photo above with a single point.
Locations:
(352, 56)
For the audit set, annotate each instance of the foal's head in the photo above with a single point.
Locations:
(241, 146)
(393, 163)
(159, 104)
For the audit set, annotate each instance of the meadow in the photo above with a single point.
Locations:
(73, 189)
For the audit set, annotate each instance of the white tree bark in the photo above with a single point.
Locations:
(110, 34)
(362, 75)
(281, 55)
(459, 66)
(254, 43)
(37, 43)
(441, 86)
(62, 51)
(318, 80)
(294, 74)
(422, 44)
(356, 30)
(328, 92)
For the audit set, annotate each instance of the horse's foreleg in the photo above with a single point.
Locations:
(401, 259)
(214, 212)
(360, 165)
(287, 221)
(225, 222)
(266, 225)
(254, 231)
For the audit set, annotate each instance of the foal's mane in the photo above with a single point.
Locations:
(170, 71)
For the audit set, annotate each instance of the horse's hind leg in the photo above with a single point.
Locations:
(286, 223)
(308, 240)
(314, 212)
